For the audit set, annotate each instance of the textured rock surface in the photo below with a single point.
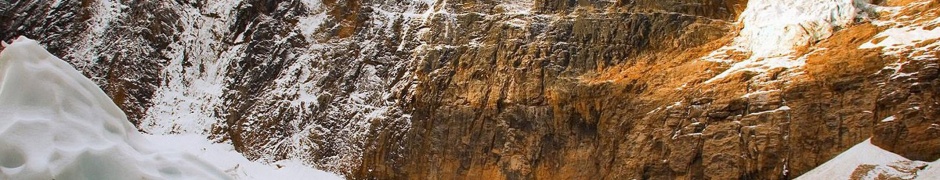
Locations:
(493, 89)
(910, 96)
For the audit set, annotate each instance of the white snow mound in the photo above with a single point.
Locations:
(842, 166)
(867, 161)
(57, 124)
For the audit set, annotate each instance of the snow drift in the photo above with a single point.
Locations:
(57, 124)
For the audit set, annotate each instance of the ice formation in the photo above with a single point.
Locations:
(772, 30)
(774, 27)
(57, 124)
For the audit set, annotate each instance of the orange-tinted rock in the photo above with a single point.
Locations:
(908, 111)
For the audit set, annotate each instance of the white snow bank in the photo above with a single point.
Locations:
(882, 163)
(225, 157)
(842, 166)
(57, 124)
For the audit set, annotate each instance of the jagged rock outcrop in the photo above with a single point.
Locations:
(499, 89)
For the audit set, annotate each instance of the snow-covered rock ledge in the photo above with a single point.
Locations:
(57, 124)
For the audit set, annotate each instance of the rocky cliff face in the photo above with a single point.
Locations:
(515, 89)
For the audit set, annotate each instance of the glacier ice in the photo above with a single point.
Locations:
(772, 30)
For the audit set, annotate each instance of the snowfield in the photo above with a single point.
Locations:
(880, 164)
(233, 163)
(57, 124)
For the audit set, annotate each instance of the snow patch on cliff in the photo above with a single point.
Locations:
(194, 79)
(309, 24)
(105, 12)
(911, 35)
(895, 39)
(906, 32)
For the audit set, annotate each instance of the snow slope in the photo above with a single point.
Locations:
(57, 124)
(235, 164)
(867, 161)
(842, 166)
